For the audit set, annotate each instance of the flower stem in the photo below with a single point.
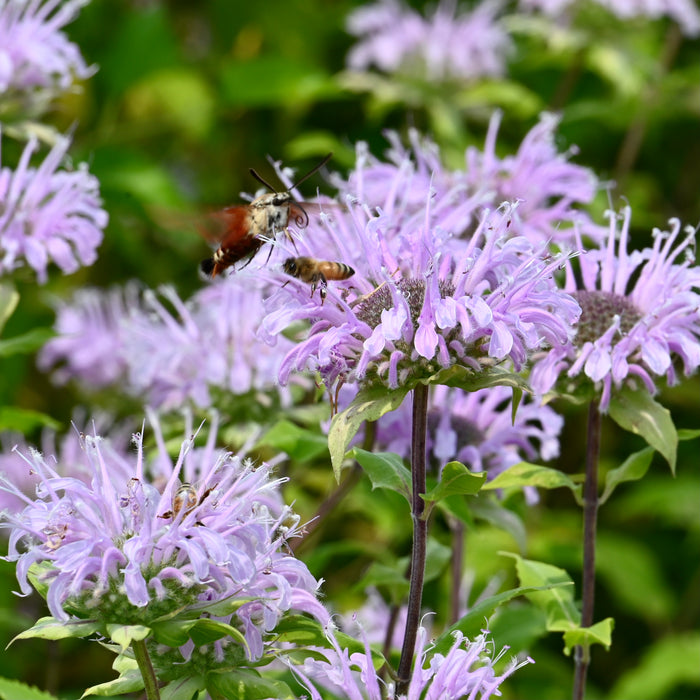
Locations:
(146, 667)
(420, 535)
(590, 517)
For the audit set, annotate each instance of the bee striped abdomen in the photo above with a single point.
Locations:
(317, 272)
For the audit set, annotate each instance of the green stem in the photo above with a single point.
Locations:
(590, 519)
(420, 536)
(143, 660)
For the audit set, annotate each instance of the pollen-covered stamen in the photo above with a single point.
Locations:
(412, 289)
(598, 310)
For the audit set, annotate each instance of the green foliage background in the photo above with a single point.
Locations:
(188, 96)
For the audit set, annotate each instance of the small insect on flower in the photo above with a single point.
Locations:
(317, 272)
(185, 501)
(247, 227)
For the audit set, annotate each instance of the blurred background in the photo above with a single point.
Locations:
(188, 96)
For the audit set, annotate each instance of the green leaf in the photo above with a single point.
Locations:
(246, 684)
(24, 420)
(465, 378)
(124, 635)
(557, 600)
(14, 690)
(687, 434)
(527, 474)
(9, 298)
(456, 480)
(205, 631)
(129, 682)
(670, 662)
(301, 631)
(473, 622)
(636, 410)
(368, 405)
(26, 343)
(183, 688)
(633, 468)
(299, 443)
(51, 628)
(600, 633)
(172, 633)
(385, 470)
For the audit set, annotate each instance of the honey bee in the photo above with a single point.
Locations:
(317, 272)
(248, 226)
(185, 500)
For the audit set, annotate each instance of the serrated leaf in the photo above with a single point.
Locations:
(9, 298)
(15, 690)
(51, 628)
(455, 480)
(557, 600)
(637, 411)
(368, 405)
(124, 635)
(25, 343)
(633, 468)
(600, 633)
(299, 443)
(385, 470)
(527, 474)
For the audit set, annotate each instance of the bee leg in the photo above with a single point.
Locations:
(319, 280)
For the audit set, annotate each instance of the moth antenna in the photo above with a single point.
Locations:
(261, 180)
(313, 170)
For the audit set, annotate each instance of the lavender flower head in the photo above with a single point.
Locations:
(548, 187)
(34, 52)
(48, 214)
(119, 551)
(416, 306)
(640, 314)
(90, 337)
(165, 349)
(684, 12)
(466, 671)
(447, 46)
